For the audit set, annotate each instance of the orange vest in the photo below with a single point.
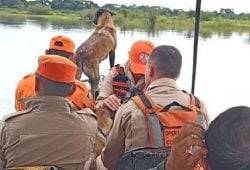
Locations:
(26, 88)
(120, 82)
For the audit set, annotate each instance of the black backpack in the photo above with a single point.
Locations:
(142, 158)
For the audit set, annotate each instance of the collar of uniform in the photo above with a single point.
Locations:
(140, 82)
(50, 103)
(163, 82)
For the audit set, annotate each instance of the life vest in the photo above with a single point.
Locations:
(120, 84)
(165, 122)
(26, 88)
(81, 97)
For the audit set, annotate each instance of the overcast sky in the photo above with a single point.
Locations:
(237, 5)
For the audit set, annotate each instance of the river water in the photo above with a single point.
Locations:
(222, 69)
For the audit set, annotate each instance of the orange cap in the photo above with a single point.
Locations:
(138, 54)
(57, 68)
(63, 43)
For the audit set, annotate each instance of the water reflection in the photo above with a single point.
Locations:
(44, 23)
(152, 30)
(16, 22)
(247, 40)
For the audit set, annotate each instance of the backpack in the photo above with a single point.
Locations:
(142, 158)
(164, 124)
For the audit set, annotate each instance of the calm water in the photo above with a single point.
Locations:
(222, 72)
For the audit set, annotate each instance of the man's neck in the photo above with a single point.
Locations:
(137, 77)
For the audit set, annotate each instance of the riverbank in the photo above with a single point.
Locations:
(149, 22)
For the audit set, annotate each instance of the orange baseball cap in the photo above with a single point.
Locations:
(63, 43)
(57, 68)
(138, 54)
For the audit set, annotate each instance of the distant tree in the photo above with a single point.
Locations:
(175, 12)
(110, 6)
(39, 9)
(244, 16)
(227, 13)
(124, 13)
(43, 2)
(208, 16)
(191, 13)
(72, 4)
(89, 4)
(13, 3)
(166, 11)
(56, 4)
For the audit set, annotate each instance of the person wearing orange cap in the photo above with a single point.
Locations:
(131, 128)
(50, 132)
(62, 46)
(125, 81)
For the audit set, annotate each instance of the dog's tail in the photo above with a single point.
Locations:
(112, 58)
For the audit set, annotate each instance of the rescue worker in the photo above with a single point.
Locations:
(124, 81)
(226, 141)
(62, 46)
(50, 132)
(130, 128)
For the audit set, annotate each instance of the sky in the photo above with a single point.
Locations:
(210, 5)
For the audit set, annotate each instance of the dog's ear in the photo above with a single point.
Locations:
(111, 13)
(99, 13)
(94, 20)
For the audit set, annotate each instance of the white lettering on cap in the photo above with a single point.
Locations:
(143, 57)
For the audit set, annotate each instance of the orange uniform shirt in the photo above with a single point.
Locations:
(26, 88)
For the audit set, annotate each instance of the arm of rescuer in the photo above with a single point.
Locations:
(203, 119)
(106, 97)
(2, 142)
(191, 134)
(115, 145)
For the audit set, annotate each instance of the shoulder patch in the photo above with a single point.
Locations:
(16, 114)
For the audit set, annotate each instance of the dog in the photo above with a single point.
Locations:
(104, 123)
(100, 45)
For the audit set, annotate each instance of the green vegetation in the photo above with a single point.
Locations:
(152, 19)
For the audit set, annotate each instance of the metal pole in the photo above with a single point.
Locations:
(196, 37)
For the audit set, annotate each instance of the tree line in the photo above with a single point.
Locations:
(80, 5)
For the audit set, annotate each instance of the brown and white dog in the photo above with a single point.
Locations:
(100, 45)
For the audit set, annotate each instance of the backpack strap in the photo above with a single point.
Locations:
(194, 101)
(154, 128)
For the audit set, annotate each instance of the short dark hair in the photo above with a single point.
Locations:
(228, 140)
(168, 61)
(53, 88)
(59, 52)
